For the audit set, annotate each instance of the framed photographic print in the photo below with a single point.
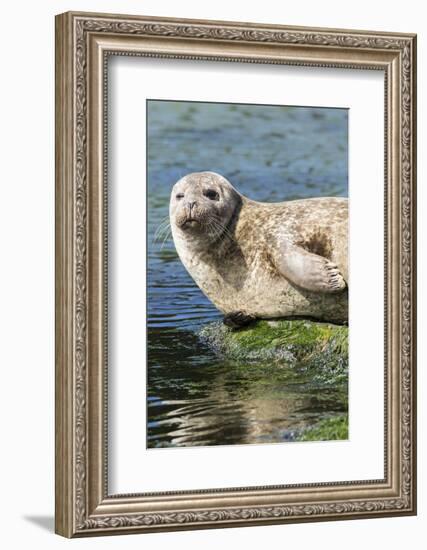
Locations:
(235, 274)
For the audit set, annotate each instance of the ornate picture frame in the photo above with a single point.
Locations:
(84, 42)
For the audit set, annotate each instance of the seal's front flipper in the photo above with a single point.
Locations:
(307, 270)
(238, 319)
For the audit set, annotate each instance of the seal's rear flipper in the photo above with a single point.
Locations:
(307, 270)
(238, 319)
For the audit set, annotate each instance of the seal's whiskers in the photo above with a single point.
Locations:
(163, 231)
(221, 230)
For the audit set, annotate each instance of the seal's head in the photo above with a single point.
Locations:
(202, 205)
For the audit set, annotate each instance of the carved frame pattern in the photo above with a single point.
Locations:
(83, 506)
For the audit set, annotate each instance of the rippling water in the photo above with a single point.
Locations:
(269, 154)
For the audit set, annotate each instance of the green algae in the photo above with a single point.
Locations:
(329, 429)
(292, 340)
(318, 351)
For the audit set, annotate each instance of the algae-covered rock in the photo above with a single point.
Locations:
(279, 340)
(305, 365)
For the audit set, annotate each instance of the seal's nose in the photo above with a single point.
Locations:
(191, 205)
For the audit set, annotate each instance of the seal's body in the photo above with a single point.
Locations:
(260, 260)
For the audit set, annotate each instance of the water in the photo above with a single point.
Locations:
(269, 154)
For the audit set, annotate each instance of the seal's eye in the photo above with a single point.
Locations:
(180, 196)
(211, 194)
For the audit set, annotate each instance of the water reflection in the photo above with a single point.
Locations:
(196, 399)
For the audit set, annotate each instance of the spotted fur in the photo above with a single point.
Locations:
(265, 260)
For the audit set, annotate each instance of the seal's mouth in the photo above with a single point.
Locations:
(190, 222)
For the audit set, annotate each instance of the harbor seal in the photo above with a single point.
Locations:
(258, 260)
